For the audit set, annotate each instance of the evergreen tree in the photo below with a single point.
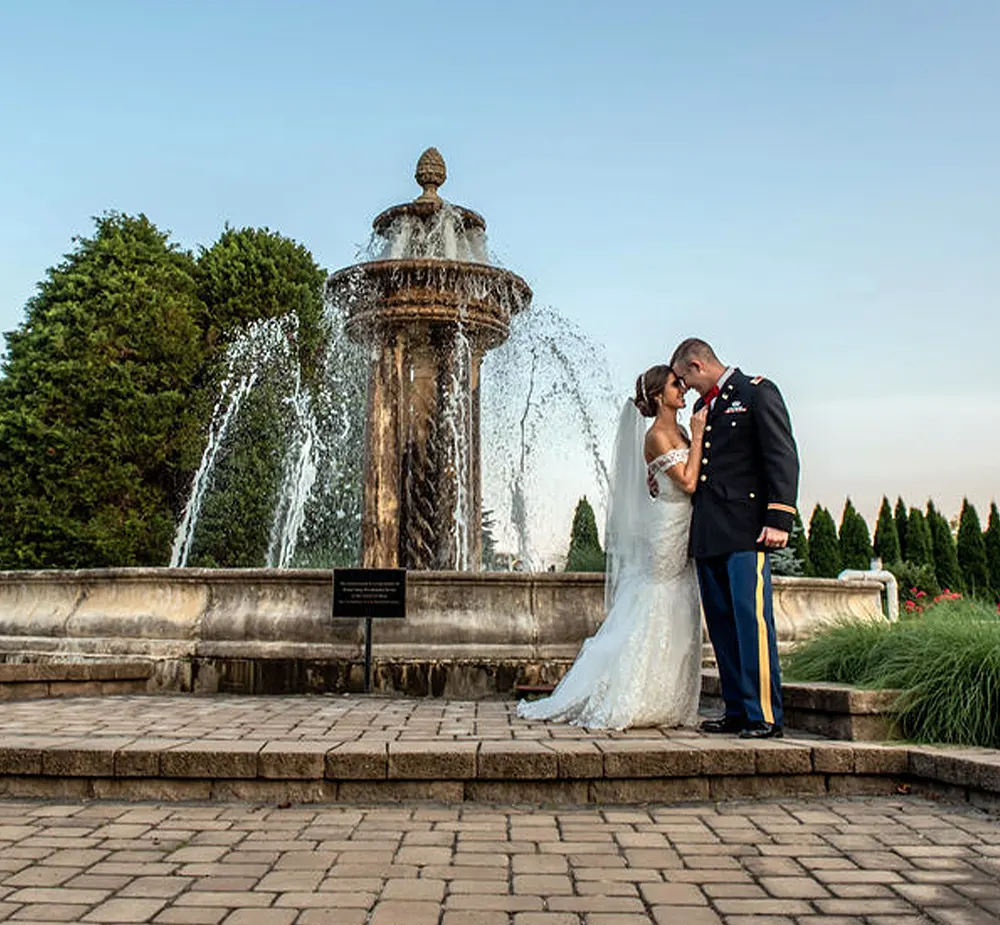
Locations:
(943, 547)
(855, 540)
(248, 275)
(96, 422)
(798, 542)
(991, 540)
(255, 273)
(793, 560)
(972, 553)
(489, 542)
(585, 554)
(901, 517)
(919, 548)
(887, 536)
(824, 549)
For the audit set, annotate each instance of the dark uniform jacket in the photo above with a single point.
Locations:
(749, 469)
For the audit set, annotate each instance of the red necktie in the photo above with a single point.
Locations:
(711, 396)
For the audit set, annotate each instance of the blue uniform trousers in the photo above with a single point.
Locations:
(736, 597)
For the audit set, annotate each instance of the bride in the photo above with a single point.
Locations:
(643, 666)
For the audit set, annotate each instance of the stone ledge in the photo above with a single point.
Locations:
(36, 680)
(11, 672)
(605, 770)
(836, 711)
(565, 792)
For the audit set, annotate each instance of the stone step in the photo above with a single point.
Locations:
(837, 711)
(574, 771)
(34, 680)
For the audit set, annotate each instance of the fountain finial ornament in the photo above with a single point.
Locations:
(430, 174)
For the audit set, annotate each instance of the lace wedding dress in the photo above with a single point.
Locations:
(643, 666)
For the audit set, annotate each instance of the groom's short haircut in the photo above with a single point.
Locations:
(694, 348)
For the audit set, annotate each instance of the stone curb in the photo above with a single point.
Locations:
(613, 770)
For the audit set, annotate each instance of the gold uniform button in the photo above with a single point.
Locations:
(708, 427)
(752, 495)
(704, 478)
(704, 460)
(708, 444)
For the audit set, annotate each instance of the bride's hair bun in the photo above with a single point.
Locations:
(647, 387)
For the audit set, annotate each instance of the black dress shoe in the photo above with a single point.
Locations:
(761, 731)
(724, 724)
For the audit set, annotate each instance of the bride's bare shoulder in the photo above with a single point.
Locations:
(659, 441)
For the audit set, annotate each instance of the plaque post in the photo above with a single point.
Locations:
(368, 655)
(369, 594)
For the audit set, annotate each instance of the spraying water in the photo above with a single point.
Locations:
(429, 304)
(260, 343)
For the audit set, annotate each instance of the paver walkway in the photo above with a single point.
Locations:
(374, 750)
(827, 862)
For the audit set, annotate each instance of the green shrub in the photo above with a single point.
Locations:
(915, 582)
(992, 540)
(585, 554)
(793, 560)
(824, 550)
(919, 549)
(946, 662)
(972, 553)
(855, 540)
(900, 516)
(943, 547)
(887, 536)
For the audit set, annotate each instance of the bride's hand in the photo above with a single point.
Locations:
(698, 420)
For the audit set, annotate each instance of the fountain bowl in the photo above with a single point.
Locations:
(386, 295)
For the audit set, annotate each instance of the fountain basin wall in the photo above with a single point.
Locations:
(467, 634)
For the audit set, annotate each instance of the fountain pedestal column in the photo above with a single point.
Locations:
(422, 496)
(428, 318)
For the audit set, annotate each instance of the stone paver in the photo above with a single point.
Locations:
(876, 861)
(324, 749)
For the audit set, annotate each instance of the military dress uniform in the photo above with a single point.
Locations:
(749, 480)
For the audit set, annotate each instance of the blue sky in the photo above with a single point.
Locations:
(814, 187)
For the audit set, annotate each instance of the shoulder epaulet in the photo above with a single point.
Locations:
(757, 380)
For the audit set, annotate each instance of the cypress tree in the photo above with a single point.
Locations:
(972, 552)
(855, 541)
(919, 548)
(991, 540)
(901, 517)
(798, 542)
(824, 550)
(949, 576)
(887, 536)
(585, 554)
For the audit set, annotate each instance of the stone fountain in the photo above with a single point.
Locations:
(429, 307)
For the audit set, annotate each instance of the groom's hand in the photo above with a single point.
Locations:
(772, 538)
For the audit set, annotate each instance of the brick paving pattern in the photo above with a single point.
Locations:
(826, 862)
(372, 750)
(307, 718)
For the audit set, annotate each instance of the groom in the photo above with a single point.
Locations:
(743, 507)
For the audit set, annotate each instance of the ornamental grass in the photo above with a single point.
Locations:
(945, 659)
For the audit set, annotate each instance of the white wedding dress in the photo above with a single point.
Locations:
(643, 666)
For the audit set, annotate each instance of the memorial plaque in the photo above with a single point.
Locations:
(375, 593)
